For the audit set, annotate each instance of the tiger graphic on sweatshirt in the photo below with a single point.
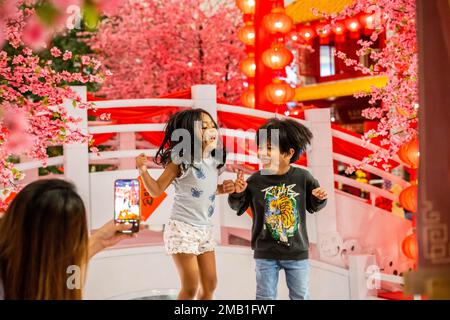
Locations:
(281, 212)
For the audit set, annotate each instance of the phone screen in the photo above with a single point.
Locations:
(126, 203)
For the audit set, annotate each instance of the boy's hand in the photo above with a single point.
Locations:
(240, 183)
(228, 186)
(320, 193)
(142, 162)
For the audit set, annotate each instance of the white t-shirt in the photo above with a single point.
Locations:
(195, 193)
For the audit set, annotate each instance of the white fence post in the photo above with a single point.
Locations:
(320, 162)
(76, 156)
(205, 97)
(127, 141)
(363, 286)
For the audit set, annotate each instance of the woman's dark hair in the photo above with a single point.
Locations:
(43, 232)
(186, 120)
(292, 134)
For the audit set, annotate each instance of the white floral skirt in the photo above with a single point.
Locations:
(182, 237)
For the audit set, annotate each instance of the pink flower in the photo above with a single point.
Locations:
(85, 60)
(55, 52)
(16, 123)
(67, 55)
(109, 7)
(34, 34)
(105, 116)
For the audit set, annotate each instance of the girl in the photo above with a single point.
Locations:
(193, 166)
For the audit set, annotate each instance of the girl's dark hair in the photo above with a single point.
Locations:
(186, 120)
(43, 232)
(292, 134)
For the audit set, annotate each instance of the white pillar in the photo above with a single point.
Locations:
(127, 141)
(205, 97)
(76, 156)
(320, 163)
(364, 277)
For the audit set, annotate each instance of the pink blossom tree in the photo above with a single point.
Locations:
(159, 47)
(398, 61)
(31, 95)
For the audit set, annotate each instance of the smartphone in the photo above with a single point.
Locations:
(126, 203)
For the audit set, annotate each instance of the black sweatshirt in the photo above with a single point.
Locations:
(278, 204)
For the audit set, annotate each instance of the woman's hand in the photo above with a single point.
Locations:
(240, 184)
(142, 162)
(320, 193)
(109, 235)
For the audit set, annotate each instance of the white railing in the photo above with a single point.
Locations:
(381, 173)
(117, 128)
(97, 127)
(144, 103)
(256, 113)
(360, 142)
(316, 161)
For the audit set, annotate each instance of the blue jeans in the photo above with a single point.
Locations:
(297, 278)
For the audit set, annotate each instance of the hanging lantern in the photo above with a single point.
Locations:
(248, 66)
(279, 92)
(323, 31)
(294, 36)
(368, 21)
(339, 32)
(409, 153)
(409, 246)
(246, 6)
(278, 21)
(248, 97)
(307, 34)
(277, 57)
(353, 26)
(408, 198)
(247, 34)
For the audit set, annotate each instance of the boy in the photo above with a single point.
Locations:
(279, 196)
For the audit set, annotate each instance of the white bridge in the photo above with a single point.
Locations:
(355, 246)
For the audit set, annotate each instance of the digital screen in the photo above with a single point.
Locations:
(126, 197)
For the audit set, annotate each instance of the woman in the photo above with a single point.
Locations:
(43, 233)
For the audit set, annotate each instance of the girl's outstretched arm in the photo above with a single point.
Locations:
(226, 187)
(156, 187)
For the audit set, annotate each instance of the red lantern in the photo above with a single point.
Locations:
(408, 198)
(247, 34)
(277, 57)
(323, 31)
(339, 32)
(248, 66)
(246, 6)
(307, 34)
(368, 21)
(279, 92)
(248, 97)
(294, 36)
(278, 21)
(353, 26)
(409, 246)
(409, 153)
